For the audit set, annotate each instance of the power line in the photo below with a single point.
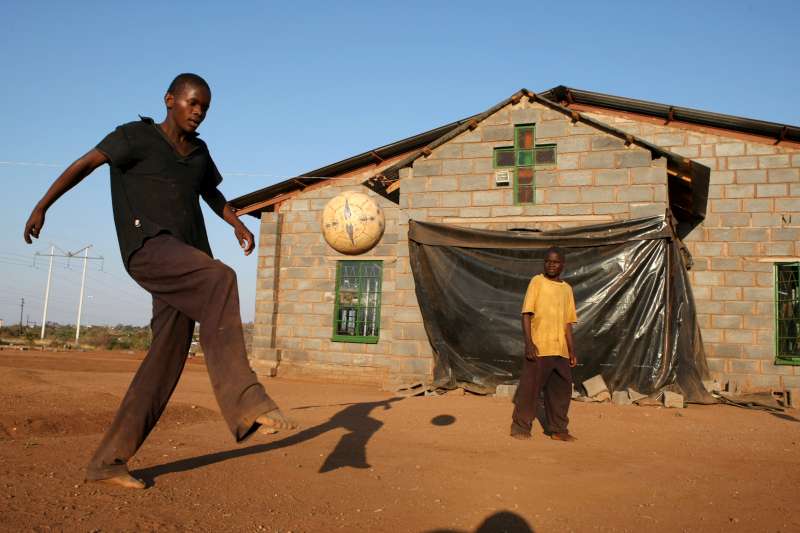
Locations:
(247, 174)
(29, 164)
(118, 290)
(64, 165)
(11, 262)
(16, 255)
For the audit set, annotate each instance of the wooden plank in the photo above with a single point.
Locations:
(532, 218)
(384, 258)
(266, 203)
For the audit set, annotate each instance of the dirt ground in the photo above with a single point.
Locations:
(366, 460)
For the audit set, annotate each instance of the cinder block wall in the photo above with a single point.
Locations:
(596, 179)
(753, 221)
(296, 290)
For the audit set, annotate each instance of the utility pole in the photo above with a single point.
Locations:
(21, 309)
(80, 301)
(47, 291)
(68, 255)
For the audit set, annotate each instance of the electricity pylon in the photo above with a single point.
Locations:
(68, 255)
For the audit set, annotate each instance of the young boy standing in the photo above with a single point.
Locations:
(158, 174)
(548, 313)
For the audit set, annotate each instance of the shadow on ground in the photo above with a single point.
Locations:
(500, 522)
(784, 416)
(350, 451)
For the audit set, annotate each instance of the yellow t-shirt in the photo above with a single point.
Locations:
(553, 307)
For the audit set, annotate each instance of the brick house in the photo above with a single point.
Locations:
(556, 159)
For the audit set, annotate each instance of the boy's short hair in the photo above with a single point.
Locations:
(186, 79)
(554, 250)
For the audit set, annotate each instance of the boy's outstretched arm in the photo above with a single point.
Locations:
(216, 201)
(67, 180)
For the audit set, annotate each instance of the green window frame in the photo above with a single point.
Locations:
(357, 308)
(524, 157)
(787, 313)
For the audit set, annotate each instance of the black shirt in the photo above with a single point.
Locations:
(154, 189)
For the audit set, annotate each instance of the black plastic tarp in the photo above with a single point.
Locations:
(636, 316)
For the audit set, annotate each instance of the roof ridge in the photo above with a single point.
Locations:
(680, 163)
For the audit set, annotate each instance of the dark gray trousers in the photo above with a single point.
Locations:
(187, 287)
(552, 375)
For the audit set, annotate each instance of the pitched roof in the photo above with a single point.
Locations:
(374, 155)
(688, 181)
(690, 194)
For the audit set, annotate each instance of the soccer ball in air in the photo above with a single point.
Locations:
(352, 223)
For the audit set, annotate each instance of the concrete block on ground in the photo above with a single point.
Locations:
(732, 387)
(595, 385)
(654, 400)
(620, 397)
(505, 391)
(635, 395)
(673, 399)
(602, 396)
(792, 398)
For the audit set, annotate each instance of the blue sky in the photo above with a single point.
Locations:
(303, 84)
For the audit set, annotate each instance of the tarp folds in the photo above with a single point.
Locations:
(636, 317)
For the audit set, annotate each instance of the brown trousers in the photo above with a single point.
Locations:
(187, 286)
(552, 375)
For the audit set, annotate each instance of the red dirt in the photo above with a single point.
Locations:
(366, 462)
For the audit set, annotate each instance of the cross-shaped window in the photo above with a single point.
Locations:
(523, 158)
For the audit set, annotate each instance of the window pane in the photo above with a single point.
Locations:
(346, 321)
(348, 296)
(546, 155)
(358, 301)
(349, 270)
(504, 157)
(525, 176)
(788, 310)
(371, 270)
(525, 138)
(525, 195)
(525, 157)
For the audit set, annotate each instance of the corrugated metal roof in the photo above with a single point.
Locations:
(773, 130)
(388, 151)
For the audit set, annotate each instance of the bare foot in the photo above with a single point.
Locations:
(519, 433)
(122, 480)
(275, 420)
(564, 437)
